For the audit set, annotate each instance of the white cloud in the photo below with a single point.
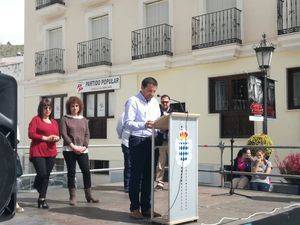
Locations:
(12, 21)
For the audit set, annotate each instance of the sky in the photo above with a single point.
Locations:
(12, 21)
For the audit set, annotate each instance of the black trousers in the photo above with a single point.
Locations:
(43, 168)
(140, 180)
(83, 161)
(127, 167)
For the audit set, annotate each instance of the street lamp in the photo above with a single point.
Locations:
(264, 52)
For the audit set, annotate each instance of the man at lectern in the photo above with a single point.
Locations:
(162, 139)
(141, 111)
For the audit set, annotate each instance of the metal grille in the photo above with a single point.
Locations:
(94, 52)
(288, 16)
(216, 28)
(49, 61)
(152, 41)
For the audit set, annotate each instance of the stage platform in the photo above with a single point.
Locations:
(114, 207)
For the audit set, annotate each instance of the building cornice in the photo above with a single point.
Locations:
(289, 42)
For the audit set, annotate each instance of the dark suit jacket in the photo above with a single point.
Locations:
(163, 136)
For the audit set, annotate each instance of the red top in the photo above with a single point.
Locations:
(36, 130)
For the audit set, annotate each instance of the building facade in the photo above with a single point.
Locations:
(200, 51)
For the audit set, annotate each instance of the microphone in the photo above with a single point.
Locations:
(174, 100)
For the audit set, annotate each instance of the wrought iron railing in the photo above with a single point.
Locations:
(288, 16)
(152, 41)
(94, 52)
(216, 28)
(44, 3)
(49, 61)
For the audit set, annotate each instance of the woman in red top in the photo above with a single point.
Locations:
(44, 133)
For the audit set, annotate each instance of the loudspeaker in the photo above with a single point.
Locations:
(8, 145)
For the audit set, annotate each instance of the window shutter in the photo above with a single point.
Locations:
(157, 13)
(296, 89)
(218, 5)
(90, 105)
(55, 38)
(100, 27)
(101, 105)
(57, 108)
(64, 106)
(221, 101)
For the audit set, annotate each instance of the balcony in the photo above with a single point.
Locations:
(49, 61)
(94, 53)
(216, 28)
(151, 41)
(50, 8)
(288, 20)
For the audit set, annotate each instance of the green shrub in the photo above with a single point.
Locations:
(261, 139)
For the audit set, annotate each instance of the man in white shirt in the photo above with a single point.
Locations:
(141, 111)
(124, 134)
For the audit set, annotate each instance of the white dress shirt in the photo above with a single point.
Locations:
(123, 133)
(138, 111)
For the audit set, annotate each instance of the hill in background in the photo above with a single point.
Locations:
(9, 50)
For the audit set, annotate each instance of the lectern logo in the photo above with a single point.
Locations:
(183, 146)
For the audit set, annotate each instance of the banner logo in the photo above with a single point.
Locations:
(183, 146)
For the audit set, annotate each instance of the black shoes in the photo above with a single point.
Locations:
(42, 204)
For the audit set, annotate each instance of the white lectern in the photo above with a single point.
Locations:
(183, 168)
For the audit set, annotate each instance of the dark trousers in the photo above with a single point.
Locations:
(83, 161)
(127, 167)
(140, 180)
(43, 168)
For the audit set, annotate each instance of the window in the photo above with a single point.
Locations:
(100, 164)
(271, 106)
(99, 27)
(218, 5)
(98, 107)
(228, 93)
(55, 38)
(293, 88)
(157, 13)
(58, 103)
(229, 96)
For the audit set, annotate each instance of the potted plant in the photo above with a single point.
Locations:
(261, 139)
(290, 165)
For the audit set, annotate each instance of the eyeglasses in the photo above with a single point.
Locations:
(165, 102)
(47, 108)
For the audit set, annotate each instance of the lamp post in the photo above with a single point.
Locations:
(264, 52)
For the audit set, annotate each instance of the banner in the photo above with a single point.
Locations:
(256, 97)
(101, 84)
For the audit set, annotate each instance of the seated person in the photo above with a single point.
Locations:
(242, 163)
(261, 165)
